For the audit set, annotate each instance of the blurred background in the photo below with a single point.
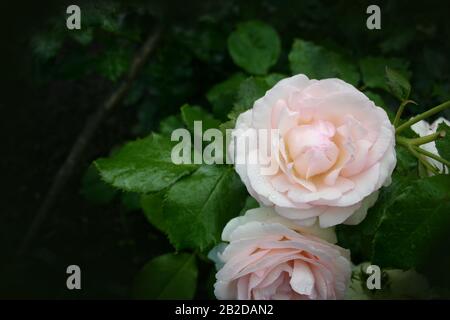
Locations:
(54, 79)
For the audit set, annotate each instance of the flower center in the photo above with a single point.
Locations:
(311, 148)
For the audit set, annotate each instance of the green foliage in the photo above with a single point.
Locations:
(152, 204)
(46, 46)
(167, 125)
(397, 84)
(189, 114)
(143, 165)
(206, 41)
(254, 46)
(84, 36)
(359, 238)
(197, 207)
(417, 217)
(130, 201)
(317, 62)
(170, 276)
(94, 189)
(373, 70)
(114, 64)
(443, 144)
(249, 91)
(222, 95)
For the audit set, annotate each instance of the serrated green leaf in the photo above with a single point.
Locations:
(397, 84)
(317, 62)
(223, 95)
(189, 114)
(197, 208)
(94, 189)
(170, 276)
(443, 144)
(417, 217)
(144, 165)
(254, 46)
(373, 70)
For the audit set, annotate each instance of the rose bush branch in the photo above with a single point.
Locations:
(423, 116)
(432, 155)
(419, 153)
(400, 111)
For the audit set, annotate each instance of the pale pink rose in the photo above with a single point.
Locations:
(266, 259)
(334, 149)
(423, 128)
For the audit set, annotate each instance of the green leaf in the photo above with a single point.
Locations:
(359, 238)
(170, 123)
(317, 62)
(143, 166)
(397, 84)
(254, 46)
(198, 207)
(222, 95)
(373, 70)
(94, 189)
(273, 78)
(250, 90)
(152, 204)
(443, 144)
(189, 114)
(407, 164)
(417, 217)
(170, 276)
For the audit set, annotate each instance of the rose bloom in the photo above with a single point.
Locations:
(423, 128)
(270, 257)
(334, 149)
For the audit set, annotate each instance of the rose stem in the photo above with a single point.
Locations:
(432, 155)
(423, 115)
(400, 111)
